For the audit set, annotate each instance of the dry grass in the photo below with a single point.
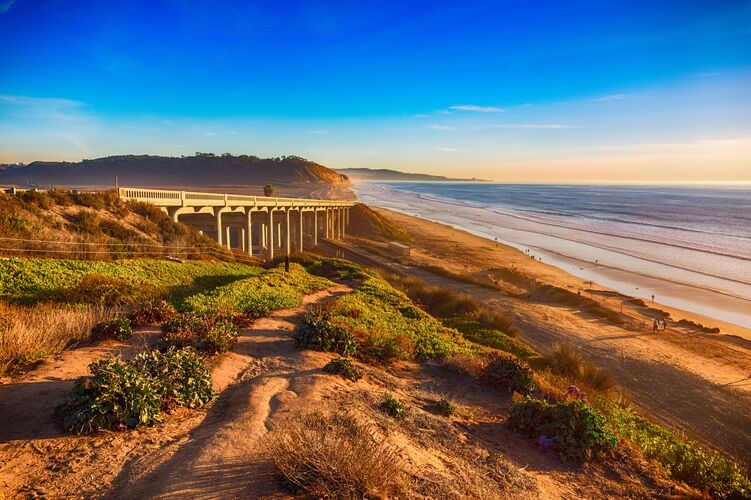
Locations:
(566, 361)
(31, 332)
(334, 457)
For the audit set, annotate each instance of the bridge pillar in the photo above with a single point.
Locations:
(243, 239)
(248, 245)
(315, 227)
(301, 234)
(270, 251)
(326, 223)
(218, 217)
(289, 240)
(227, 234)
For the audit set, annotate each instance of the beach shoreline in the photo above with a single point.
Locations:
(712, 304)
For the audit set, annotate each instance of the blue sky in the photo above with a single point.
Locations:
(513, 90)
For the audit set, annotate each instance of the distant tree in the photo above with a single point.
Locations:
(268, 190)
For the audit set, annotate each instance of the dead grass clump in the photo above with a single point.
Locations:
(494, 318)
(334, 457)
(28, 333)
(466, 364)
(566, 361)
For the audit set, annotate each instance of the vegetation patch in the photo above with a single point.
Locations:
(334, 457)
(683, 460)
(180, 376)
(211, 334)
(571, 428)
(509, 373)
(152, 312)
(394, 408)
(318, 332)
(116, 395)
(114, 328)
(344, 367)
(477, 332)
(258, 295)
(128, 394)
(28, 281)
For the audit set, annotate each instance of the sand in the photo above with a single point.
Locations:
(692, 381)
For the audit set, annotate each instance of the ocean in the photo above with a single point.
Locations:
(690, 246)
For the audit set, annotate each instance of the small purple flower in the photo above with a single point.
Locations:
(572, 389)
(545, 442)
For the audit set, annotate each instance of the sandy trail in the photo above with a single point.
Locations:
(207, 453)
(695, 383)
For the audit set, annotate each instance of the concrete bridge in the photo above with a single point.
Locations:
(259, 225)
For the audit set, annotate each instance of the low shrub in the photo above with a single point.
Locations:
(115, 328)
(446, 408)
(116, 395)
(205, 333)
(128, 394)
(334, 457)
(394, 408)
(180, 376)
(572, 429)
(152, 312)
(344, 367)
(510, 373)
(318, 332)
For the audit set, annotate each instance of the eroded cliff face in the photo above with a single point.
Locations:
(202, 170)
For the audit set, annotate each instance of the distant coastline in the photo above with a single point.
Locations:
(387, 175)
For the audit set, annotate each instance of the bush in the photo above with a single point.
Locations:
(334, 457)
(180, 376)
(394, 408)
(152, 312)
(116, 395)
(344, 367)
(571, 428)
(318, 332)
(509, 372)
(209, 334)
(115, 328)
(446, 408)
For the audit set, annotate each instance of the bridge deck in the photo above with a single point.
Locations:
(167, 198)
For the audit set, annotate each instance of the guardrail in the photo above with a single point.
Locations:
(163, 197)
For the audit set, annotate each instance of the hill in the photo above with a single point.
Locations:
(384, 174)
(204, 170)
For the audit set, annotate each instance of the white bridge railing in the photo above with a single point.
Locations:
(167, 198)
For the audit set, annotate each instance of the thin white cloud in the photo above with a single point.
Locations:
(477, 109)
(530, 126)
(5, 5)
(210, 134)
(441, 127)
(449, 150)
(611, 97)
(319, 132)
(708, 73)
(708, 145)
(34, 102)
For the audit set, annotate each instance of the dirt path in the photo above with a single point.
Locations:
(694, 383)
(192, 453)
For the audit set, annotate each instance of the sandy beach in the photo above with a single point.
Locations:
(592, 248)
(692, 381)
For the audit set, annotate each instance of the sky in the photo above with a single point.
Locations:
(531, 91)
